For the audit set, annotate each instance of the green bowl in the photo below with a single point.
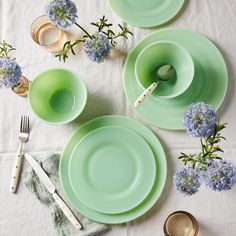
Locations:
(57, 96)
(157, 54)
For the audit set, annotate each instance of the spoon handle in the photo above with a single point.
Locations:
(145, 94)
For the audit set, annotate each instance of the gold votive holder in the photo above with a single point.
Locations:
(47, 35)
(181, 223)
(22, 87)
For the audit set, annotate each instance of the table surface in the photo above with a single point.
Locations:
(21, 213)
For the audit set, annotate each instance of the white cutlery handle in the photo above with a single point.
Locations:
(16, 170)
(66, 210)
(145, 94)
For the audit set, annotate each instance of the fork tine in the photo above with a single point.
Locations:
(27, 130)
(21, 124)
(24, 124)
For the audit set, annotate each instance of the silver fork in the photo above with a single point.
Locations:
(24, 137)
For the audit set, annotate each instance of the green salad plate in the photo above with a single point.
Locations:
(121, 123)
(209, 84)
(147, 13)
(112, 169)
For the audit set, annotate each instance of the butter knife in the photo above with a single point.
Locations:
(51, 188)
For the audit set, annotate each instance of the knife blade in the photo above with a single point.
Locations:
(52, 189)
(41, 174)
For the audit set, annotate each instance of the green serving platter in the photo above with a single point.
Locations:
(147, 13)
(57, 96)
(209, 84)
(160, 162)
(112, 169)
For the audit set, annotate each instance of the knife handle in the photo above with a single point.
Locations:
(66, 210)
(16, 170)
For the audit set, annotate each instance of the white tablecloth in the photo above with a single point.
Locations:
(21, 214)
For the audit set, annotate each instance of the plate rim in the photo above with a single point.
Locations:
(150, 25)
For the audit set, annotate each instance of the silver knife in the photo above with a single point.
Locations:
(51, 188)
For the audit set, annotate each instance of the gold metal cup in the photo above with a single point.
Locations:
(22, 87)
(181, 223)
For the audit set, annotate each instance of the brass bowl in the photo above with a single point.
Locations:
(173, 224)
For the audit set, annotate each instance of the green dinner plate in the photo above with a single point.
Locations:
(147, 13)
(112, 169)
(160, 160)
(209, 84)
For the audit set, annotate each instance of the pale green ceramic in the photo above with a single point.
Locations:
(147, 13)
(209, 84)
(112, 169)
(157, 54)
(57, 96)
(160, 159)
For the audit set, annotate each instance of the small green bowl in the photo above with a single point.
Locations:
(57, 96)
(155, 55)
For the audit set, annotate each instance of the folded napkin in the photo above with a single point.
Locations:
(50, 163)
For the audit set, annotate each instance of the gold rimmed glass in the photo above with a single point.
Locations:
(47, 35)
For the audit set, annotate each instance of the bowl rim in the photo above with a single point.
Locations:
(189, 215)
(84, 87)
(177, 45)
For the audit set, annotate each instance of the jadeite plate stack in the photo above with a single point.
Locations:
(209, 84)
(113, 169)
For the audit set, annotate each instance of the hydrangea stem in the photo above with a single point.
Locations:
(81, 29)
(84, 30)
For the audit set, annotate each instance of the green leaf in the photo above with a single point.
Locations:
(95, 24)
(72, 50)
(110, 32)
(221, 126)
(113, 43)
(65, 45)
(121, 27)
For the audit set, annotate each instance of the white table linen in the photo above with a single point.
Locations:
(21, 214)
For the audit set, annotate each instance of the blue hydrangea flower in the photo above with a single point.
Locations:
(219, 175)
(200, 120)
(97, 49)
(62, 13)
(10, 73)
(187, 181)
